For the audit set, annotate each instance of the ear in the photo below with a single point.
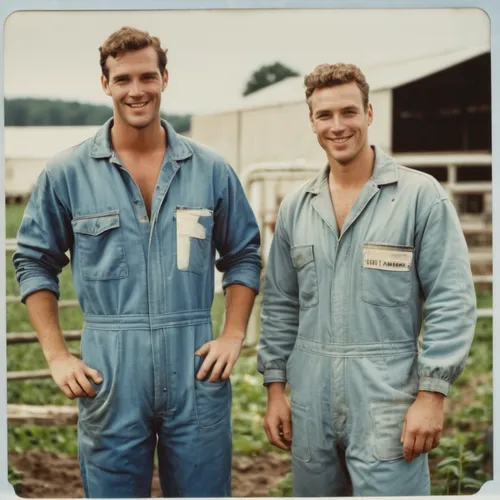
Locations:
(165, 80)
(105, 85)
(370, 114)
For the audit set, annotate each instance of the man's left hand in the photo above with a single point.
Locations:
(423, 425)
(221, 354)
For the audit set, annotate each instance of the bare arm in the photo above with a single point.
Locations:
(239, 304)
(44, 316)
(68, 372)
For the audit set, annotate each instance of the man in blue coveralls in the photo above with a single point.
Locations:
(356, 251)
(142, 211)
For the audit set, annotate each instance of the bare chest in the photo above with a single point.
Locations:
(144, 170)
(343, 201)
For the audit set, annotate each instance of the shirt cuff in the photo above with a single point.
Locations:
(248, 276)
(35, 284)
(432, 384)
(274, 375)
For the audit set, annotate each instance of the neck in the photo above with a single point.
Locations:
(355, 173)
(142, 140)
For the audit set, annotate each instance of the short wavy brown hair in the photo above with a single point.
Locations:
(328, 75)
(126, 39)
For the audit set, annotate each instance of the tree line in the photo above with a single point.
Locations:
(29, 112)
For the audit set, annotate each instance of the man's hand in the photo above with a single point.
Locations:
(70, 374)
(220, 356)
(278, 418)
(423, 425)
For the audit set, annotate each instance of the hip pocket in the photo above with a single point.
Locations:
(100, 351)
(99, 245)
(303, 261)
(212, 399)
(387, 274)
(388, 421)
(194, 237)
(300, 437)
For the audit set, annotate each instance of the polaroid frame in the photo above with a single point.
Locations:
(490, 7)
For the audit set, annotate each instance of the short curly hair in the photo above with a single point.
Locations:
(127, 39)
(328, 75)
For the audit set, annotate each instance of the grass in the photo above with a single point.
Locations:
(459, 465)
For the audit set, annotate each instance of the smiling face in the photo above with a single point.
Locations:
(340, 121)
(135, 84)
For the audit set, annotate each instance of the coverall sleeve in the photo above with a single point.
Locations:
(43, 238)
(280, 309)
(445, 275)
(237, 237)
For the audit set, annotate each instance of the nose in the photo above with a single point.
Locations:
(135, 88)
(337, 125)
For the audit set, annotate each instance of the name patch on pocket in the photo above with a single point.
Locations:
(387, 258)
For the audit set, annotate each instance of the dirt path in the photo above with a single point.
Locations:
(48, 475)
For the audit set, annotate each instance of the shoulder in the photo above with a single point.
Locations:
(421, 182)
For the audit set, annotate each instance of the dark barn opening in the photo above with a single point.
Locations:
(447, 111)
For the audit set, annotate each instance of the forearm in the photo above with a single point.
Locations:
(239, 304)
(275, 389)
(43, 311)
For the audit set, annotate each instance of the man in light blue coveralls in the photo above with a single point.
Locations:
(356, 252)
(142, 211)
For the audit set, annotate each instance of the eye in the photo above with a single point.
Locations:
(349, 112)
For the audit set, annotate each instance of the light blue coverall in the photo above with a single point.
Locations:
(341, 318)
(146, 289)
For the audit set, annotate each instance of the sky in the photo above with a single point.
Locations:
(212, 53)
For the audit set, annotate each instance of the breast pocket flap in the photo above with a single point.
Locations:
(96, 225)
(302, 255)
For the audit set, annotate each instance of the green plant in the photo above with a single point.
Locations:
(284, 487)
(15, 476)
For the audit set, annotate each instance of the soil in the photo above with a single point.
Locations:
(49, 475)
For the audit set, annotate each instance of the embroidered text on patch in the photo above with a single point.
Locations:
(387, 259)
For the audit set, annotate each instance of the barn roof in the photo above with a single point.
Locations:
(382, 77)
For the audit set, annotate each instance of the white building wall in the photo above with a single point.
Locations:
(21, 175)
(219, 132)
(380, 131)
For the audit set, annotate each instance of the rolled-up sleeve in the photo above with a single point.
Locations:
(280, 309)
(43, 239)
(445, 276)
(236, 235)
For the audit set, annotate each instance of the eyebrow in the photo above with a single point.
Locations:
(126, 75)
(328, 111)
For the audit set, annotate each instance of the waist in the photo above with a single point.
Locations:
(356, 350)
(147, 321)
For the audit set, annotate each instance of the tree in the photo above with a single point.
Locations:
(267, 75)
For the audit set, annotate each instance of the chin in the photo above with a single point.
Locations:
(140, 124)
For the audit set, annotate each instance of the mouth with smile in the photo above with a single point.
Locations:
(341, 140)
(137, 105)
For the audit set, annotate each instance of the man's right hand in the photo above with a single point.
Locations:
(278, 418)
(70, 374)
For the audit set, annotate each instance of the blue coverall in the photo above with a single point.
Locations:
(146, 288)
(341, 319)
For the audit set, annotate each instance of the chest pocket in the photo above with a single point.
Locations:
(387, 274)
(194, 238)
(100, 247)
(303, 261)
